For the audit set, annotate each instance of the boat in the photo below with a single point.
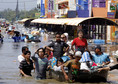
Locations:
(84, 76)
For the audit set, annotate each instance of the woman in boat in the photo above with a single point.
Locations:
(79, 42)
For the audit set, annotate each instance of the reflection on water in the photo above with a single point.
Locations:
(9, 72)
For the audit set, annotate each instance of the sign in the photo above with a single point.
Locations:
(50, 5)
(112, 6)
(110, 15)
(63, 5)
(37, 15)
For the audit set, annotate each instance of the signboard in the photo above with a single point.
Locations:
(110, 15)
(112, 6)
(63, 5)
(37, 15)
(50, 5)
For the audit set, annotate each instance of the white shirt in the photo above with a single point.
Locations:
(20, 58)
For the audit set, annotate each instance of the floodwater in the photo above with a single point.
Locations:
(9, 72)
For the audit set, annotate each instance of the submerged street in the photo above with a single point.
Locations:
(9, 71)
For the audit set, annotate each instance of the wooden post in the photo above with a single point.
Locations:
(105, 32)
(98, 31)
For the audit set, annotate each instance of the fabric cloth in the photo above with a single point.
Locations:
(58, 48)
(53, 62)
(79, 44)
(85, 57)
(20, 58)
(41, 67)
(114, 67)
(65, 58)
(100, 58)
(73, 69)
(25, 67)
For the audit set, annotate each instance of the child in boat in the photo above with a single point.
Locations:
(26, 65)
(58, 65)
(71, 56)
(86, 62)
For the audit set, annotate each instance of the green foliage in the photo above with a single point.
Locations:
(10, 15)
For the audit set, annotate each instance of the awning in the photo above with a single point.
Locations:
(61, 1)
(76, 21)
(23, 20)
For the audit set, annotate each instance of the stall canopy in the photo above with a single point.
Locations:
(76, 21)
(24, 20)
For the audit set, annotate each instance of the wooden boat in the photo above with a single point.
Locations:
(93, 76)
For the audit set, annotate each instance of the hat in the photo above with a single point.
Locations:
(98, 47)
(78, 53)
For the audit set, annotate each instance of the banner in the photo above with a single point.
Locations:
(110, 15)
(112, 6)
(37, 15)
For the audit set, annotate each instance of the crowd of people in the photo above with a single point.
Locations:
(52, 57)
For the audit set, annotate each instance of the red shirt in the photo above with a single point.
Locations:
(77, 42)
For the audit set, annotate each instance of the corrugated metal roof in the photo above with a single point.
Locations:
(76, 21)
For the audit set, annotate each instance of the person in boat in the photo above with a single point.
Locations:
(86, 60)
(41, 64)
(26, 65)
(110, 68)
(99, 57)
(58, 49)
(22, 57)
(71, 56)
(79, 42)
(57, 67)
(73, 68)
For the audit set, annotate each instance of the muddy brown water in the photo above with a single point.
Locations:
(9, 72)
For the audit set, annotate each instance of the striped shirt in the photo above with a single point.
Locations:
(85, 57)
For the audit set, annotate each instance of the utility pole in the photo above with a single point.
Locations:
(17, 11)
(24, 9)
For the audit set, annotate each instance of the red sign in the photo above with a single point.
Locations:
(63, 5)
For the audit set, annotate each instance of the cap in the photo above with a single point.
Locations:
(98, 47)
(78, 53)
